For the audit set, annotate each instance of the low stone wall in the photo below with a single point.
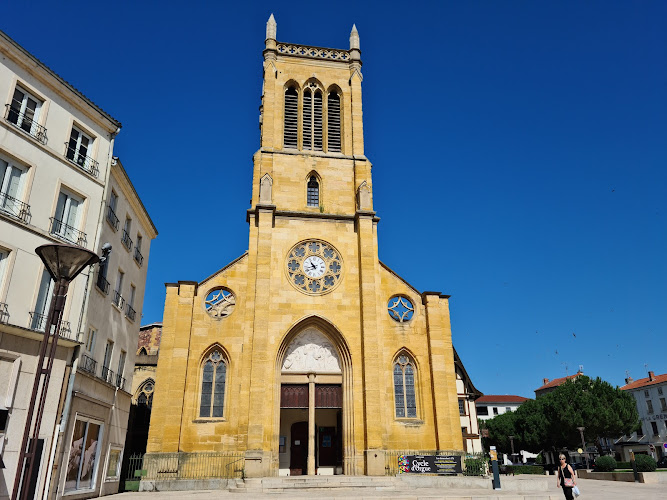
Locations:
(184, 484)
(524, 483)
(628, 477)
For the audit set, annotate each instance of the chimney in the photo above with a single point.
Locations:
(651, 376)
(629, 380)
(545, 381)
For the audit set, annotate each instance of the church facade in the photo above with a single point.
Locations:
(307, 354)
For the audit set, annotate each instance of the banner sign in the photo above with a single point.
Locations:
(447, 465)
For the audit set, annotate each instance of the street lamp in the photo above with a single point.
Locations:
(64, 263)
(583, 443)
(512, 443)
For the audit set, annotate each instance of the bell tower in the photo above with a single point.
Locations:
(311, 157)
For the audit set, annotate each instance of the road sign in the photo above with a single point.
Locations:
(651, 447)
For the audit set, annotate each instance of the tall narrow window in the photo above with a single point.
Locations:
(312, 118)
(24, 110)
(117, 296)
(112, 218)
(121, 363)
(38, 319)
(11, 187)
(67, 218)
(214, 374)
(125, 239)
(404, 388)
(333, 122)
(291, 118)
(313, 192)
(77, 151)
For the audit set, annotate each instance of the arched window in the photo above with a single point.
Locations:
(404, 387)
(214, 375)
(313, 192)
(333, 122)
(312, 118)
(291, 118)
(145, 393)
(143, 351)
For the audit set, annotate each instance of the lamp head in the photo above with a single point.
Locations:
(65, 261)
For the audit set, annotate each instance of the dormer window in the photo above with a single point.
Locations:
(313, 192)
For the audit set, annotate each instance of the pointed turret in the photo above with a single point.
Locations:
(354, 38)
(355, 51)
(271, 28)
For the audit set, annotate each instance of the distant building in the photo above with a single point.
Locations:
(650, 394)
(468, 394)
(549, 386)
(490, 405)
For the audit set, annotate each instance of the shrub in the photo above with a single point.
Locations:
(528, 469)
(474, 467)
(645, 463)
(623, 465)
(606, 463)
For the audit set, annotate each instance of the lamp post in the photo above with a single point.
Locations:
(64, 263)
(583, 443)
(512, 443)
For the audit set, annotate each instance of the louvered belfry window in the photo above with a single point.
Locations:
(313, 192)
(291, 118)
(333, 122)
(312, 118)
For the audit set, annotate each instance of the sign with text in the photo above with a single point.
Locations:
(444, 465)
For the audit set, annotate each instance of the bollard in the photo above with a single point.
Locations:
(494, 466)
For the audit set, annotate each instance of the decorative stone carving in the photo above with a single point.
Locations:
(313, 52)
(364, 197)
(311, 352)
(219, 303)
(265, 190)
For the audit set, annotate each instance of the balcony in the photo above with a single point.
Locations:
(126, 240)
(138, 257)
(112, 378)
(88, 365)
(25, 122)
(118, 299)
(85, 163)
(15, 208)
(38, 324)
(4, 313)
(67, 233)
(112, 219)
(102, 283)
(130, 312)
(120, 382)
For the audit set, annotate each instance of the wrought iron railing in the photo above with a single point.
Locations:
(130, 312)
(4, 313)
(14, 207)
(38, 323)
(102, 283)
(183, 465)
(26, 123)
(138, 257)
(88, 364)
(118, 299)
(68, 233)
(86, 163)
(111, 217)
(126, 240)
(108, 375)
(120, 382)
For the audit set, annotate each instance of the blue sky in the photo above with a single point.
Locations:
(519, 153)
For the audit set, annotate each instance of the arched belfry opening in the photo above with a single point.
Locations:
(315, 401)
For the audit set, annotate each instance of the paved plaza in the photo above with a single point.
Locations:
(590, 489)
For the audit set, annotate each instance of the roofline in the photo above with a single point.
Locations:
(151, 325)
(399, 277)
(118, 163)
(60, 79)
(221, 270)
(457, 361)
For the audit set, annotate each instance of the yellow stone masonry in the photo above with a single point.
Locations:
(269, 311)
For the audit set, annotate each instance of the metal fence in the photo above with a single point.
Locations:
(220, 465)
(473, 464)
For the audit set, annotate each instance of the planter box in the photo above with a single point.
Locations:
(629, 477)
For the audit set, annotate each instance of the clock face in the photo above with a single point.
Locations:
(314, 267)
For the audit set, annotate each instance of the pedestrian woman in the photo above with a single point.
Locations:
(565, 477)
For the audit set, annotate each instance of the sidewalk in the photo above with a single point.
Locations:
(590, 489)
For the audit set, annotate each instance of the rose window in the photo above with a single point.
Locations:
(220, 303)
(314, 267)
(400, 308)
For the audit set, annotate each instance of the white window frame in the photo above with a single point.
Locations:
(7, 401)
(107, 477)
(121, 363)
(4, 265)
(5, 179)
(24, 104)
(90, 340)
(100, 440)
(64, 216)
(108, 349)
(77, 148)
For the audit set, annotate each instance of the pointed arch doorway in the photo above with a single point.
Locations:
(315, 401)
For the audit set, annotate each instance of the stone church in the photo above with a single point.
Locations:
(307, 355)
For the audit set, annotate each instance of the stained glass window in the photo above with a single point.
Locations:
(214, 377)
(404, 388)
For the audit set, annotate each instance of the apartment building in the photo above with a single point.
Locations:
(57, 176)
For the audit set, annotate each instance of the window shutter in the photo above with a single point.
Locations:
(307, 120)
(333, 123)
(291, 118)
(317, 121)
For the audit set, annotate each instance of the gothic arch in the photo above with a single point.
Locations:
(417, 382)
(320, 190)
(336, 338)
(147, 389)
(203, 359)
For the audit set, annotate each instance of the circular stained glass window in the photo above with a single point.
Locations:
(314, 267)
(400, 308)
(220, 303)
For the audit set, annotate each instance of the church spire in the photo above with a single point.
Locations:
(354, 38)
(271, 28)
